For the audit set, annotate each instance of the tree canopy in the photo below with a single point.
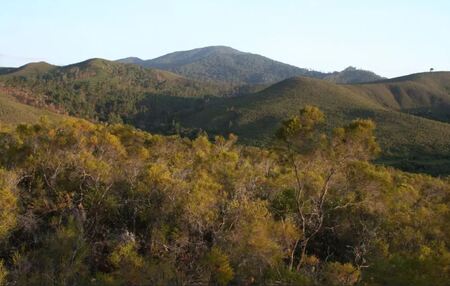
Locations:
(97, 204)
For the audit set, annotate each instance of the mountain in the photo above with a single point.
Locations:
(225, 64)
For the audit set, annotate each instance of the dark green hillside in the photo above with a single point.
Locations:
(4, 70)
(97, 88)
(225, 64)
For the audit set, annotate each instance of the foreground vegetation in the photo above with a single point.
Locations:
(87, 204)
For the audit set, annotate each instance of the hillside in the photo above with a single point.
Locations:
(225, 64)
(13, 112)
(423, 94)
(255, 117)
(352, 75)
(98, 89)
(4, 70)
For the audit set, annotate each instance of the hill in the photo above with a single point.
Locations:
(225, 64)
(97, 88)
(352, 75)
(4, 70)
(422, 94)
(13, 112)
(407, 140)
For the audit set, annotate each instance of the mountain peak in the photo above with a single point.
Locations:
(131, 60)
(225, 64)
(33, 68)
(350, 68)
(216, 49)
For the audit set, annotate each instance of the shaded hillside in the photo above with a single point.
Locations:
(225, 64)
(98, 88)
(4, 70)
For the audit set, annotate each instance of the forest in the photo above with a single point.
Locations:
(85, 203)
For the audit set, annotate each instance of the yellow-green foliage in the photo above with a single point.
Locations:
(221, 271)
(3, 273)
(8, 202)
(92, 204)
(341, 274)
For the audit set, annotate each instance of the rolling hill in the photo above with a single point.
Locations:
(352, 75)
(225, 64)
(404, 137)
(423, 94)
(97, 88)
(13, 112)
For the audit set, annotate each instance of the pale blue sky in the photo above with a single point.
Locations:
(390, 37)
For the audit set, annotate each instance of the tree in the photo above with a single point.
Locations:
(317, 164)
(8, 203)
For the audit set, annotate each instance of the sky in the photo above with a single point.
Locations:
(389, 37)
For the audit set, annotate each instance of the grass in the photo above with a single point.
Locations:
(13, 112)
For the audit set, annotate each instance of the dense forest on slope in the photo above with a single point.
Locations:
(225, 64)
(98, 89)
(87, 204)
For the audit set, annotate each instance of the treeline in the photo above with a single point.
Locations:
(87, 204)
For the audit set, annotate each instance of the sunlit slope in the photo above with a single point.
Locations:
(13, 112)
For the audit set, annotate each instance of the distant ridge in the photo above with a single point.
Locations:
(225, 64)
(353, 75)
(132, 60)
